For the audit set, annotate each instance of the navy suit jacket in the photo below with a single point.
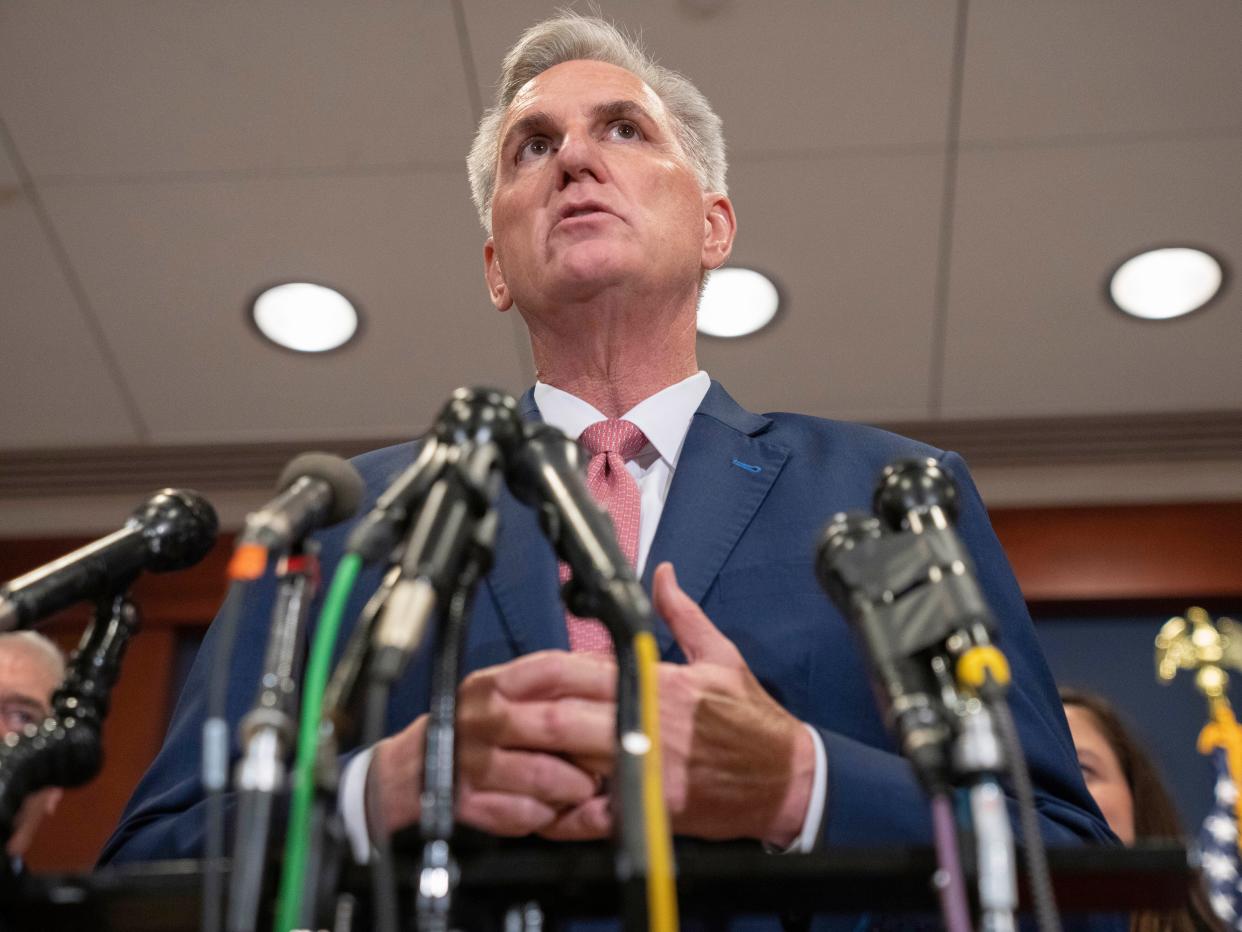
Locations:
(748, 502)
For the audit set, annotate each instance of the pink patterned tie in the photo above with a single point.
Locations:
(611, 443)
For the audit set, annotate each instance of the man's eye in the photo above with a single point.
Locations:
(534, 148)
(16, 718)
(625, 130)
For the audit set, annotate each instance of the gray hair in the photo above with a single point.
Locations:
(575, 37)
(39, 645)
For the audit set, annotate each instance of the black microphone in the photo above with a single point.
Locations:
(914, 494)
(854, 566)
(547, 473)
(316, 490)
(478, 428)
(376, 535)
(174, 529)
(919, 496)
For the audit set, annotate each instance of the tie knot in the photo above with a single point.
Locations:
(614, 436)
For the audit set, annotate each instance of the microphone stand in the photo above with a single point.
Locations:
(446, 503)
(268, 731)
(67, 749)
(438, 874)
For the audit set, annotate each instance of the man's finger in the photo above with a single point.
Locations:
(590, 821)
(554, 674)
(699, 639)
(560, 726)
(545, 777)
(504, 813)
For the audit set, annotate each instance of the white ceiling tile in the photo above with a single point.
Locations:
(129, 88)
(171, 267)
(1065, 67)
(851, 242)
(788, 76)
(1038, 230)
(58, 391)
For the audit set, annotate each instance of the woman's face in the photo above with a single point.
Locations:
(1102, 772)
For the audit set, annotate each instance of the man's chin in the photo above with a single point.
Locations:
(585, 276)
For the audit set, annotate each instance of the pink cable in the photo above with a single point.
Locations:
(952, 887)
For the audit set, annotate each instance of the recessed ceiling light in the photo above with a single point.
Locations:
(737, 302)
(1160, 284)
(305, 317)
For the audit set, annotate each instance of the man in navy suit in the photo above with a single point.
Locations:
(600, 179)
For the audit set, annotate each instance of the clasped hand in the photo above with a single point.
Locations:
(536, 743)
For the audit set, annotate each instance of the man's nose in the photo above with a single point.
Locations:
(580, 159)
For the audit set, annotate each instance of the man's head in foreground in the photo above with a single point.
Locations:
(600, 179)
(31, 668)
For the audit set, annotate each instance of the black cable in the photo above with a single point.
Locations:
(215, 763)
(439, 783)
(383, 877)
(1039, 877)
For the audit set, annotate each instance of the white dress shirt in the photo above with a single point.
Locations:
(665, 420)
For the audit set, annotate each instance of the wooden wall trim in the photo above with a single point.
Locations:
(1124, 554)
(1064, 554)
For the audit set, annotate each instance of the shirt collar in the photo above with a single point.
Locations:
(664, 417)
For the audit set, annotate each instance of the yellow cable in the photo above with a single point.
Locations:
(661, 884)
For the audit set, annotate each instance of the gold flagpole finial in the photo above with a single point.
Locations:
(1195, 643)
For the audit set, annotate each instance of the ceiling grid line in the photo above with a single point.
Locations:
(1090, 140)
(521, 342)
(467, 61)
(214, 176)
(940, 300)
(74, 282)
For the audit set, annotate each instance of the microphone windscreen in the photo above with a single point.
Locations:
(340, 475)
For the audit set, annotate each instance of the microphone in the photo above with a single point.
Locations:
(478, 428)
(377, 534)
(914, 493)
(906, 583)
(172, 530)
(316, 490)
(919, 496)
(547, 473)
(853, 546)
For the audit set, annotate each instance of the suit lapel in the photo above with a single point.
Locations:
(723, 475)
(523, 580)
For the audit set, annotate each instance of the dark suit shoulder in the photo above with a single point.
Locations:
(838, 438)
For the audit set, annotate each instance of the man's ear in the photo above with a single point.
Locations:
(719, 228)
(496, 286)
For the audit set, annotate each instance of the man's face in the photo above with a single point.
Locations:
(593, 190)
(26, 684)
(27, 680)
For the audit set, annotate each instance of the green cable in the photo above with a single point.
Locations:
(313, 685)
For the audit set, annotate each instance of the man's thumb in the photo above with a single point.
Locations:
(698, 638)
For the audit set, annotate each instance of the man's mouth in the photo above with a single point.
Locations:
(573, 211)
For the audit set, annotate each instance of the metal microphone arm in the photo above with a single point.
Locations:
(66, 749)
